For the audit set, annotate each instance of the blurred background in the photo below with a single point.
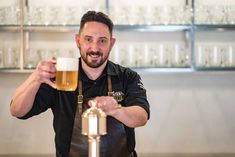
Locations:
(184, 51)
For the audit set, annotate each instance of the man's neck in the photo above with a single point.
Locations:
(93, 73)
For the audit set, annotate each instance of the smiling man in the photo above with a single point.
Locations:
(99, 80)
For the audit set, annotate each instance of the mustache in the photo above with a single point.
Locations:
(94, 53)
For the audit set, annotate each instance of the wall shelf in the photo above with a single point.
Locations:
(219, 27)
(9, 28)
(16, 70)
(139, 28)
(189, 30)
(51, 28)
(152, 28)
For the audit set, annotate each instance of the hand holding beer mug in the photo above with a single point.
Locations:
(66, 73)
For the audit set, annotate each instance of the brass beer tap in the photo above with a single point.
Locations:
(93, 126)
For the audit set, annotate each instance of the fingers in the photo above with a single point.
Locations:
(92, 103)
(106, 103)
(50, 83)
(53, 60)
(89, 103)
(47, 66)
(45, 71)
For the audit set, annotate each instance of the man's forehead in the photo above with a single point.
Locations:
(95, 29)
(96, 24)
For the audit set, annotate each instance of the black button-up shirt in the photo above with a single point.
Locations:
(63, 104)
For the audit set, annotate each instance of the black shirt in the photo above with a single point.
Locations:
(63, 104)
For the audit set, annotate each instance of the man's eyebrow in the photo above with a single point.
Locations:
(103, 37)
(88, 36)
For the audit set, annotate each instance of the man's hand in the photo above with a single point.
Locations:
(45, 71)
(105, 103)
(131, 116)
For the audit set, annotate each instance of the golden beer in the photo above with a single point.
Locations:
(67, 74)
(66, 80)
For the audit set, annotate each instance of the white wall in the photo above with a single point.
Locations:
(17, 136)
(190, 113)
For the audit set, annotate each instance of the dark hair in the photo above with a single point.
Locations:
(98, 17)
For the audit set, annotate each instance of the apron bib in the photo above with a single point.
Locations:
(113, 144)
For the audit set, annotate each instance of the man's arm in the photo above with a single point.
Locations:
(131, 116)
(24, 96)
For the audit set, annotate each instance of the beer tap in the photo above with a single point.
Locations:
(93, 126)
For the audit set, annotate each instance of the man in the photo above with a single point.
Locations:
(38, 93)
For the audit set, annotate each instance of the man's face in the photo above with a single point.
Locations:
(95, 43)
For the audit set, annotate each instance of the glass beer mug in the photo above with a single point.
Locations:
(66, 74)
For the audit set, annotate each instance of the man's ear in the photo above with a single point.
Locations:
(77, 39)
(113, 40)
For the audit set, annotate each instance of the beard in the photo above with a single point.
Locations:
(94, 63)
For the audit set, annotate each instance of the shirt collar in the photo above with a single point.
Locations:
(111, 69)
(108, 70)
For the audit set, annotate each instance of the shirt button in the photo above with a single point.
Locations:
(94, 83)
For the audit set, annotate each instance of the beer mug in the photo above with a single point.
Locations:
(66, 73)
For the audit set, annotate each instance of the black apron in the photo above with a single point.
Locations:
(113, 144)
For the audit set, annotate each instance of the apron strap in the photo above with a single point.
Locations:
(80, 97)
(110, 88)
(77, 122)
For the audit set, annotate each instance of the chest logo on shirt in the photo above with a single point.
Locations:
(118, 96)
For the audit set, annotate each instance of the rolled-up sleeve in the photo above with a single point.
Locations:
(135, 92)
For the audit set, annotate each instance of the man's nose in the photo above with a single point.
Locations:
(95, 47)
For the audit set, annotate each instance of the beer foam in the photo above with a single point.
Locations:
(67, 64)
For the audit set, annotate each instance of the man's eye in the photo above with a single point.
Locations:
(103, 41)
(88, 39)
